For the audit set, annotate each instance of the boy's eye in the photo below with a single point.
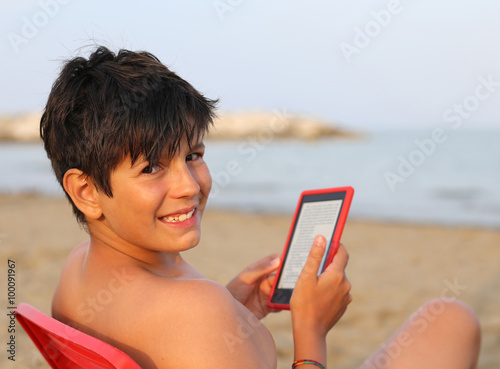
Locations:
(194, 156)
(151, 169)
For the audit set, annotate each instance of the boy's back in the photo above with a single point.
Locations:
(180, 319)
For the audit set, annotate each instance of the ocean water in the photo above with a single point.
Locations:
(424, 176)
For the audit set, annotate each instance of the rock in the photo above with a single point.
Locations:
(228, 126)
(267, 125)
(22, 127)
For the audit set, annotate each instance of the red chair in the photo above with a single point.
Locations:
(67, 348)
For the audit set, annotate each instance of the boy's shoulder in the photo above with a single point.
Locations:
(194, 323)
(168, 318)
(104, 285)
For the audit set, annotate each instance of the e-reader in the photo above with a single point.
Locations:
(319, 212)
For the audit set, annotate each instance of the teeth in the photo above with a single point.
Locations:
(179, 218)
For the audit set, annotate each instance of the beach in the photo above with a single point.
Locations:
(393, 268)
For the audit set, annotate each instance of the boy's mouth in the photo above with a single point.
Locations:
(178, 218)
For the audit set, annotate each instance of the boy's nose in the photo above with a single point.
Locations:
(183, 183)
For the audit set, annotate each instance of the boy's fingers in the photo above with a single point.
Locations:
(267, 286)
(264, 262)
(260, 268)
(340, 259)
(315, 256)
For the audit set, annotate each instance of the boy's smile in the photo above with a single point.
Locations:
(178, 218)
(155, 207)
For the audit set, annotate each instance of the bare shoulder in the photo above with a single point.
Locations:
(197, 323)
(184, 322)
(63, 295)
(89, 293)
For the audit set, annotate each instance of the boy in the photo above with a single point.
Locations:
(125, 138)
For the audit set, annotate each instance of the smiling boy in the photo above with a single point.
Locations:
(125, 138)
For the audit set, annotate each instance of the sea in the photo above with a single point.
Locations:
(427, 176)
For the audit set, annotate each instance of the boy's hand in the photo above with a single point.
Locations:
(318, 302)
(253, 285)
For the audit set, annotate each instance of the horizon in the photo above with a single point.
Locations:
(364, 65)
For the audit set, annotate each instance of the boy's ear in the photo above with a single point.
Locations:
(83, 193)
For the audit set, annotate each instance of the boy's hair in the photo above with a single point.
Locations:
(107, 107)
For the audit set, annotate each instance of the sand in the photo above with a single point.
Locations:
(393, 268)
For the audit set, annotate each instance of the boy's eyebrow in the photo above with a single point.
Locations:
(198, 146)
(138, 162)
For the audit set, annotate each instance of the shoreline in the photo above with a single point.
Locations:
(393, 268)
(233, 210)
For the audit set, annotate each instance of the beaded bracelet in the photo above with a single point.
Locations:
(313, 362)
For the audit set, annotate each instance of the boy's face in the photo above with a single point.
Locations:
(157, 208)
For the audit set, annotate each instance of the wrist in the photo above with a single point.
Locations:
(308, 363)
(309, 342)
(307, 323)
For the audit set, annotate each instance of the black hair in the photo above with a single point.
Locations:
(107, 107)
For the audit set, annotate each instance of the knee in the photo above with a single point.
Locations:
(454, 318)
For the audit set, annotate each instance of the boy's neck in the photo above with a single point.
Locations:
(109, 246)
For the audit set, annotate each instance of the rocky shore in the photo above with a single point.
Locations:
(228, 126)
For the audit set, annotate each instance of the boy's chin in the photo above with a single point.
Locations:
(189, 241)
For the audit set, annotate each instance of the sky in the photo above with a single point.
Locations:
(363, 64)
